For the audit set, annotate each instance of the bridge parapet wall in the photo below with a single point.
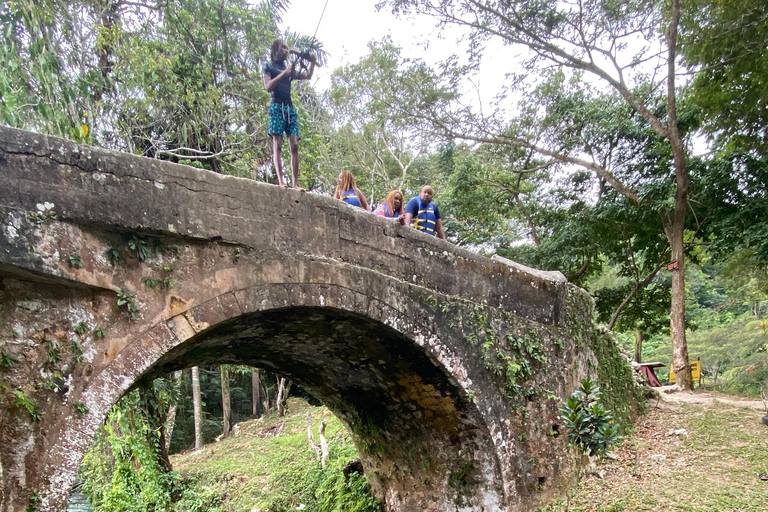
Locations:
(444, 355)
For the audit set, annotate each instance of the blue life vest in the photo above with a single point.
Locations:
(350, 197)
(426, 219)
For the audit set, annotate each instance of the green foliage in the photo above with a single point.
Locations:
(25, 402)
(210, 384)
(334, 494)
(43, 217)
(166, 282)
(75, 262)
(139, 247)
(590, 426)
(198, 497)
(127, 302)
(122, 471)
(149, 282)
(290, 473)
(726, 304)
(51, 384)
(625, 400)
(735, 187)
(81, 409)
(54, 353)
(724, 40)
(99, 332)
(82, 328)
(384, 151)
(114, 255)
(34, 502)
(513, 361)
(180, 80)
(748, 380)
(7, 359)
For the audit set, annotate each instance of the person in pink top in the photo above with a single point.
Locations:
(392, 208)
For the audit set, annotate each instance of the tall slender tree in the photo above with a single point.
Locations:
(616, 43)
(198, 408)
(226, 405)
(255, 393)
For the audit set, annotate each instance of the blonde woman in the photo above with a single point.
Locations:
(347, 191)
(392, 208)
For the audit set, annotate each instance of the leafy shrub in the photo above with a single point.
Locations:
(121, 470)
(334, 494)
(745, 381)
(25, 402)
(590, 426)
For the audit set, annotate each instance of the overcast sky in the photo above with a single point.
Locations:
(348, 25)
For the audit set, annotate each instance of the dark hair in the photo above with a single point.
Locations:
(276, 44)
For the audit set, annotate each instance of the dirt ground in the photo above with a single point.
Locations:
(700, 451)
(670, 394)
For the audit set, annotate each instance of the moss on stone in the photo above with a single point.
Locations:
(614, 375)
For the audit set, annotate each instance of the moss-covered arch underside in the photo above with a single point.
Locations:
(403, 409)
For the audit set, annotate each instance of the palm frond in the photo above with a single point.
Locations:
(278, 8)
(307, 44)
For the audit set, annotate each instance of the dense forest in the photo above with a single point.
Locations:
(628, 151)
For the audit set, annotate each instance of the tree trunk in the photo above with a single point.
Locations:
(311, 438)
(675, 234)
(151, 409)
(170, 420)
(266, 408)
(675, 230)
(109, 16)
(323, 444)
(638, 286)
(638, 346)
(169, 424)
(225, 401)
(256, 392)
(283, 388)
(198, 406)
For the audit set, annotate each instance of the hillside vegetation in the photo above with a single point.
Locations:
(267, 465)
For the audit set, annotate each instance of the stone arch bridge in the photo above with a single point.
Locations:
(448, 368)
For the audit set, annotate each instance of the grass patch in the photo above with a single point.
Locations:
(267, 465)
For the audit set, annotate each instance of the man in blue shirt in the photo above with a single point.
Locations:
(282, 115)
(422, 214)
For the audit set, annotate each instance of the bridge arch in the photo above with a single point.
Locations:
(400, 389)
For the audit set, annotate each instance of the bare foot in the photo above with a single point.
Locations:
(300, 189)
(284, 185)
